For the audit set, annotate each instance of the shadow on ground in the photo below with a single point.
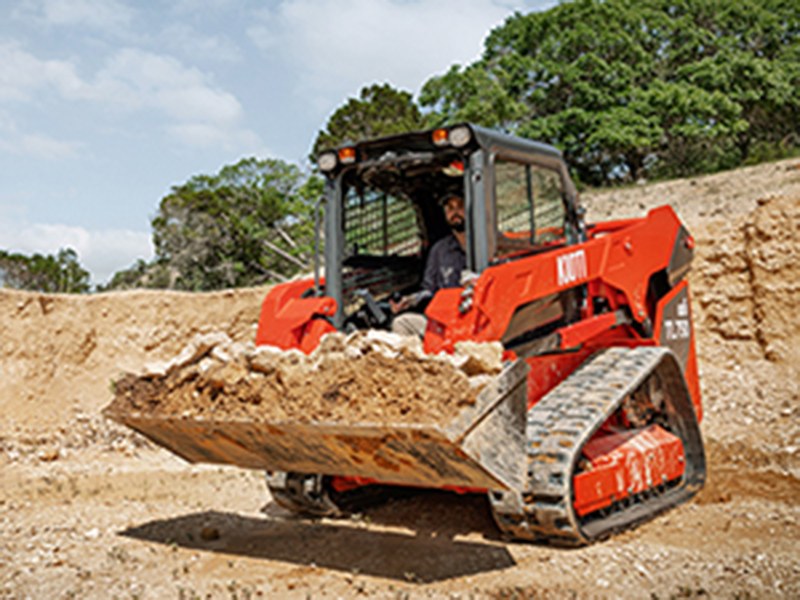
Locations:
(425, 551)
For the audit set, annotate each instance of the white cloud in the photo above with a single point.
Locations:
(101, 252)
(206, 136)
(130, 80)
(143, 79)
(199, 113)
(105, 15)
(342, 46)
(187, 41)
(34, 145)
(22, 74)
(40, 146)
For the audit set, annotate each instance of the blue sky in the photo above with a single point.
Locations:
(106, 104)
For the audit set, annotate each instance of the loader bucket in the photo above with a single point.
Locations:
(482, 447)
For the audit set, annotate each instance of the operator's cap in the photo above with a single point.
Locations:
(444, 198)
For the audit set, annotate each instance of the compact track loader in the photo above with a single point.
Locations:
(592, 425)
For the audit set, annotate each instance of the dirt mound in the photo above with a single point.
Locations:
(747, 278)
(59, 354)
(709, 198)
(746, 290)
(772, 242)
(372, 376)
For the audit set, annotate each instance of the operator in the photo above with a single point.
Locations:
(446, 261)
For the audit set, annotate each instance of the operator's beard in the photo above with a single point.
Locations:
(458, 226)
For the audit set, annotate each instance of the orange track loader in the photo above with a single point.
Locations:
(592, 426)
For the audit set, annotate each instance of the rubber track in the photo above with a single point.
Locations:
(563, 421)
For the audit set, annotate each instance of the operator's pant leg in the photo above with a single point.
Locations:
(410, 324)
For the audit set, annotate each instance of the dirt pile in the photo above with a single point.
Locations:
(747, 279)
(372, 376)
(717, 198)
(59, 354)
(772, 242)
(746, 290)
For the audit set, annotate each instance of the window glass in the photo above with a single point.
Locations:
(379, 224)
(530, 209)
(513, 193)
(548, 205)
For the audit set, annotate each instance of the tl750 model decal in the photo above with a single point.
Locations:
(680, 328)
(676, 325)
(571, 267)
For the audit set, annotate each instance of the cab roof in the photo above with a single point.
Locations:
(423, 141)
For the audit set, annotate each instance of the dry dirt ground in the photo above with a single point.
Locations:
(88, 510)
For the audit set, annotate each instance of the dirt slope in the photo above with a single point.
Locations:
(89, 510)
(59, 353)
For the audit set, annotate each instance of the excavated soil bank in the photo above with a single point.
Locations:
(371, 377)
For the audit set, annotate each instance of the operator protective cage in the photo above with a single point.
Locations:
(382, 214)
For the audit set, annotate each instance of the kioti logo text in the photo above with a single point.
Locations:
(571, 267)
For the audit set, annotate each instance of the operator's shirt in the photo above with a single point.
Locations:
(446, 261)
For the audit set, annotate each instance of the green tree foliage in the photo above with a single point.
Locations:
(244, 226)
(141, 274)
(632, 88)
(61, 273)
(379, 110)
(247, 225)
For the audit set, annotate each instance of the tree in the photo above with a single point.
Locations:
(637, 88)
(141, 274)
(379, 110)
(61, 273)
(246, 225)
(471, 94)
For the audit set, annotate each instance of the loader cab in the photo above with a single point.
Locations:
(382, 214)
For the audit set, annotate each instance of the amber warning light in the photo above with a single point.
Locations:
(347, 155)
(439, 137)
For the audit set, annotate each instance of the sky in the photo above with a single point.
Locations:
(107, 104)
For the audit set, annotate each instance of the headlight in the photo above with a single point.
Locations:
(327, 161)
(460, 136)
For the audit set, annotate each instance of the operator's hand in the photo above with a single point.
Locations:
(404, 303)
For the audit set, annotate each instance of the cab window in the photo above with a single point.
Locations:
(383, 245)
(380, 224)
(529, 207)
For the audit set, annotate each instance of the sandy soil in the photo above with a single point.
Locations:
(88, 510)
